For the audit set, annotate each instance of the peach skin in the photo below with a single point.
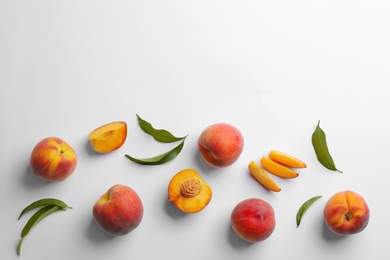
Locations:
(285, 159)
(262, 177)
(220, 144)
(346, 213)
(253, 220)
(53, 159)
(277, 169)
(108, 137)
(118, 211)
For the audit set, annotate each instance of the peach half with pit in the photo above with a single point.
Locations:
(53, 159)
(188, 191)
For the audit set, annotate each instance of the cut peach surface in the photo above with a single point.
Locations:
(189, 192)
(108, 137)
(277, 169)
(286, 159)
(262, 177)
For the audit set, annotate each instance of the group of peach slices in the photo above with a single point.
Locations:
(279, 164)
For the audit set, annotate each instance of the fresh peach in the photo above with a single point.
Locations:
(253, 220)
(109, 137)
(220, 144)
(53, 159)
(119, 211)
(346, 213)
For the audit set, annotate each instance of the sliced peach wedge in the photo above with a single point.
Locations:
(286, 159)
(262, 177)
(109, 137)
(277, 168)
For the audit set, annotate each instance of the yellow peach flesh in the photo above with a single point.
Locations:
(189, 202)
(286, 159)
(277, 169)
(262, 177)
(108, 137)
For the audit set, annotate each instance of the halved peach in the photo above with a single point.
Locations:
(108, 137)
(277, 169)
(188, 191)
(286, 159)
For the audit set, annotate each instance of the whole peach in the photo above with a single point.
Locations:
(253, 220)
(346, 213)
(119, 211)
(53, 159)
(220, 144)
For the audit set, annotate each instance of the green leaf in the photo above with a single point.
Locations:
(159, 159)
(35, 219)
(321, 149)
(162, 136)
(305, 206)
(44, 202)
(19, 246)
(159, 135)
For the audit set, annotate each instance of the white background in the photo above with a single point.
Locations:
(271, 68)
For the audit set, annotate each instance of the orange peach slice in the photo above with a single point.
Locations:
(262, 177)
(277, 169)
(108, 137)
(286, 160)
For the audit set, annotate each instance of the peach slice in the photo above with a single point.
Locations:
(108, 137)
(285, 159)
(277, 169)
(262, 177)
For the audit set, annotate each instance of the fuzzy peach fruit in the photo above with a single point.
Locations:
(220, 144)
(53, 159)
(346, 213)
(253, 220)
(119, 211)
